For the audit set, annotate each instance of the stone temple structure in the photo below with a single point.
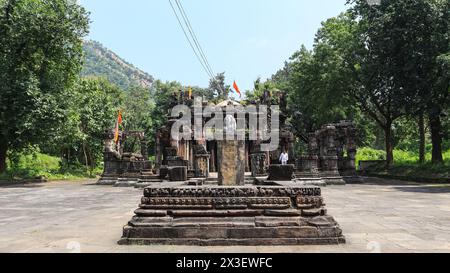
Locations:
(329, 158)
(229, 192)
(121, 167)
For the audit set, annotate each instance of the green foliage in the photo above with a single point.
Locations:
(217, 88)
(33, 164)
(92, 109)
(40, 59)
(102, 62)
(401, 157)
(407, 164)
(365, 154)
(164, 94)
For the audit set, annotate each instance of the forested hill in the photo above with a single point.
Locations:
(101, 61)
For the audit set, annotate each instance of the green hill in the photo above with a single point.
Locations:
(100, 61)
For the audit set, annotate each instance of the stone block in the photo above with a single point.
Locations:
(281, 172)
(178, 174)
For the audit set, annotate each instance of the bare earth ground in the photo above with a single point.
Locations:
(388, 216)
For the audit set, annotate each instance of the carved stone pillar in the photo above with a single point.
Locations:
(351, 150)
(330, 159)
(313, 154)
(231, 162)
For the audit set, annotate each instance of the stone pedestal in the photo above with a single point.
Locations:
(177, 174)
(281, 172)
(240, 215)
(231, 162)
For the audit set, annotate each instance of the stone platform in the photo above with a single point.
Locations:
(237, 215)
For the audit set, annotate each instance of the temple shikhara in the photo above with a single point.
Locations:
(226, 192)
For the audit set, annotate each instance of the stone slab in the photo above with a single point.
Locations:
(281, 172)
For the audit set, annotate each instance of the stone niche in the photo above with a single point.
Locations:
(239, 215)
(231, 162)
(201, 161)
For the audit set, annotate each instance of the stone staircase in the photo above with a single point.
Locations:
(107, 181)
(146, 179)
(126, 182)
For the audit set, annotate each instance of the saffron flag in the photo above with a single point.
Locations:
(118, 123)
(190, 92)
(237, 89)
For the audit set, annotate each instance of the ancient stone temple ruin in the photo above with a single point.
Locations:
(328, 159)
(122, 167)
(229, 192)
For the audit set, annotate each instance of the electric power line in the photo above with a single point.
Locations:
(199, 53)
(191, 30)
(189, 40)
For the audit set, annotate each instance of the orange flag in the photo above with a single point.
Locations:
(237, 89)
(119, 122)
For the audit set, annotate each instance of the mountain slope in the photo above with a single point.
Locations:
(100, 61)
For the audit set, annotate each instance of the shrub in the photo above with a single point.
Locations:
(369, 154)
(33, 164)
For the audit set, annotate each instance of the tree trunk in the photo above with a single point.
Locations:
(389, 145)
(86, 162)
(3, 151)
(422, 138)
(68, 157)
(436, 138)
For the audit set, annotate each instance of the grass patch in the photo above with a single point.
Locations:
(407, 164)
(41, 166)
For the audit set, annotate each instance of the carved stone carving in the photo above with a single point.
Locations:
(258, 162)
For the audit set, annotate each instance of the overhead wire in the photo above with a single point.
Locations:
(194, 43)
(189, 40)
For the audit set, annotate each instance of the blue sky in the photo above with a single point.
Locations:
(245, 38)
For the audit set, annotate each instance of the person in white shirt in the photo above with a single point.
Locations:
(284, 158)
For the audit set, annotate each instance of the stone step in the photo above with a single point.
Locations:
(125, 183)
(143, 185)
(149, 177)
(311, 182)
(106, 181)
(156, 179)
(334, 180)
(125, 179)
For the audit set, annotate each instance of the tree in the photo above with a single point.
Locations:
(218, 87)
(317, 88)
(93, 107)
(406, 39)
(40, 59)
(138, 108)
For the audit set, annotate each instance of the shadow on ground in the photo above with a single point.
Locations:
(21, 185)
(374, 181)
(425, 189)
